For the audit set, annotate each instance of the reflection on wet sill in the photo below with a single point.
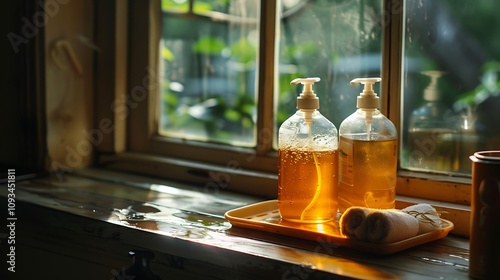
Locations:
(179, 223)
(163, 209)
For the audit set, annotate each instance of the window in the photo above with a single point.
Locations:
(209, 91)
(224, 69)
(209, 60)
(450, 84)
(218, 91)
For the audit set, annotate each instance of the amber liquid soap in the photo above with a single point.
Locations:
(433, 149)
(367, 173)
(307, 185)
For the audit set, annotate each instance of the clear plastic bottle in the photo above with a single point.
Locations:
(432, 132)
(308, 162)
(367, 154)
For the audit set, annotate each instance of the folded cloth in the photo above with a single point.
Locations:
(377, 225)
(426, 215)
(388, 226)
(351, 222)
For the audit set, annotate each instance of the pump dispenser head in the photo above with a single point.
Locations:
(307, 101)
(431, 92)
(367, 99)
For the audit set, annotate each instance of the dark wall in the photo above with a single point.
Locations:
(22, 116)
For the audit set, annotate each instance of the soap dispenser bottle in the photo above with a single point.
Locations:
(307, 162)
(367, 154)
(432, 131)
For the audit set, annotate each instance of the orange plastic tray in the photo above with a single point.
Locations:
(264, 216)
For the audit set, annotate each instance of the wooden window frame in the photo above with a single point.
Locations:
(135, 145)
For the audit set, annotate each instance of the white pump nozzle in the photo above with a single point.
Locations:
(307, 101)
(367, 99)
(431, 92)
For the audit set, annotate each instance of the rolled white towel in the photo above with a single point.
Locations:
(377, 225)
(388, 226)
(426, 215)
(351, 222)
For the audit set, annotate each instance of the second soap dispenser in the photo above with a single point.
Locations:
(307, 162)
(367, 154)
(432, 132)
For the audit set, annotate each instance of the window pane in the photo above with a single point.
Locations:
(198, 6)
(334, 40)
(175, 6)
(209, 59)
(451, 62)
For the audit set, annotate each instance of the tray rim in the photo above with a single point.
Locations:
(238, 218)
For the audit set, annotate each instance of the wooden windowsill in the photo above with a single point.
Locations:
(96, 216)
